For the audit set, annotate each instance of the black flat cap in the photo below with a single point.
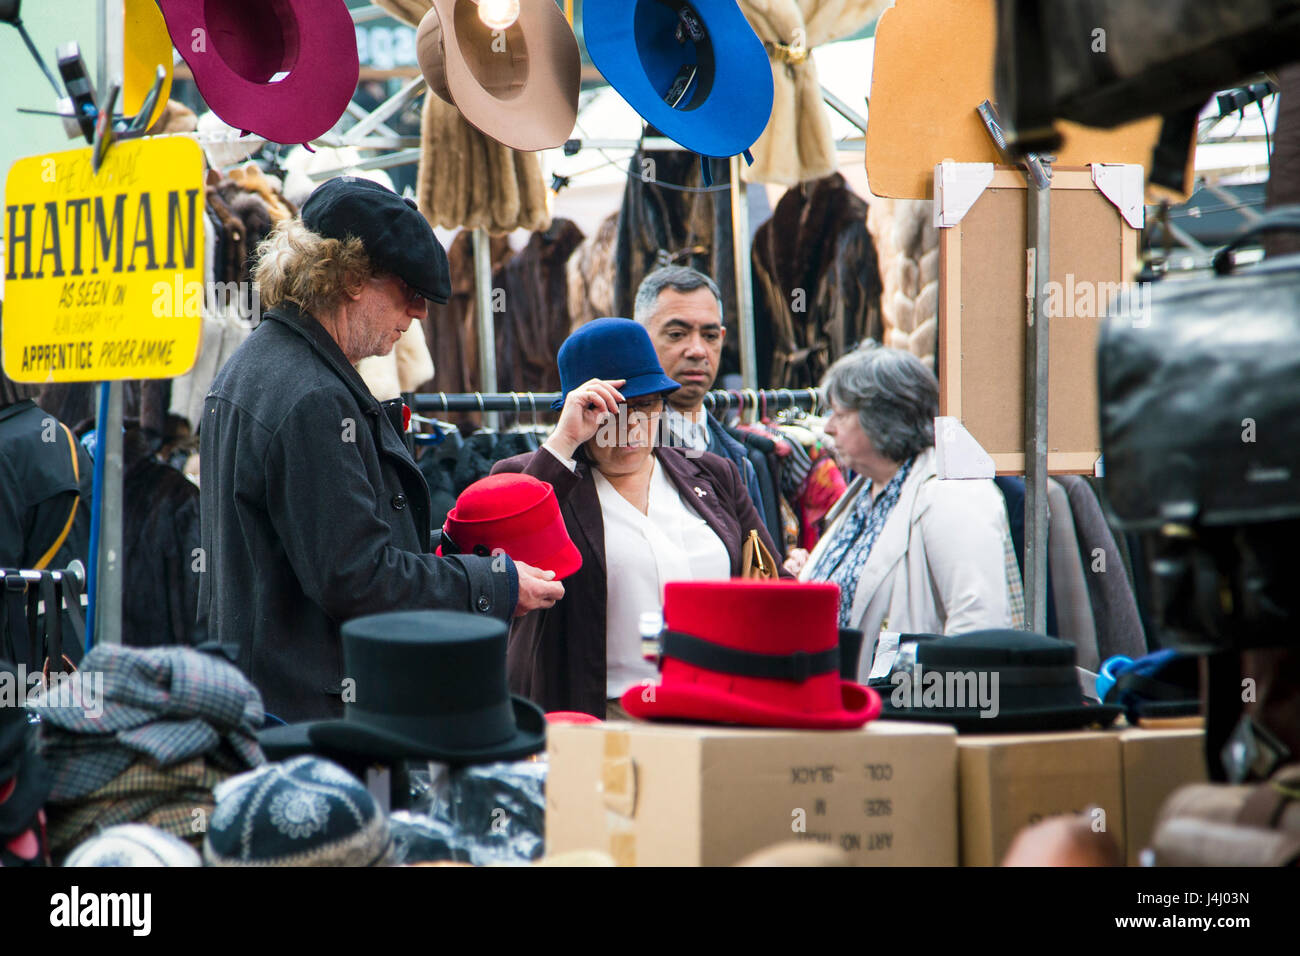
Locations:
(397, 237)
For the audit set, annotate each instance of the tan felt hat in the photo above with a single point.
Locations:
(519, 85)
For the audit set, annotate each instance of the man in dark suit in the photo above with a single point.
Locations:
(681, 308)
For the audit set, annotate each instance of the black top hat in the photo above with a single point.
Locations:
(1028, 681)
(426, 685)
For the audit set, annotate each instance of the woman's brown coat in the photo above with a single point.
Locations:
(557, 655)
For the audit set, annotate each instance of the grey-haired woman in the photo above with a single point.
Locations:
(911, 553)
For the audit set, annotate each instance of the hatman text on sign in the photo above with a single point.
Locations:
(84, 253)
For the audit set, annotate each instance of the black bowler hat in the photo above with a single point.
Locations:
(1037, 682)
(424, 685)
(398, 239)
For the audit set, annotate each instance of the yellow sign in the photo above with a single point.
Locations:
(86, 256)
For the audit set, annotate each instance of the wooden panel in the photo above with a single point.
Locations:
(983, 319)
(933, 64)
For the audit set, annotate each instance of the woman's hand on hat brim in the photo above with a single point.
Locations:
(585, 409)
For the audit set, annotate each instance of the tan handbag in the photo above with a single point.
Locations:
(1231, 825)
(756, 562)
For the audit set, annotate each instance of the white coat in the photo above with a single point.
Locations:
(939, 564)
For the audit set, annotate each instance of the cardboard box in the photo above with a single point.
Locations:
(1009, 781)
(1156, 763)
(678, 795)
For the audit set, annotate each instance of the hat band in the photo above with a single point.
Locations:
(534, 544)
(481, 727)
(796, 667)
(1012, 675)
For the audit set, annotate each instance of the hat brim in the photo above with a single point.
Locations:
(698, 703)
(296, 109)
(968, 720)
(350, 737)
(739, 104)
(541, 115)
(655, 383)
(147, 47)
(32, 782)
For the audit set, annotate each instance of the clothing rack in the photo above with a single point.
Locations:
(773, 399)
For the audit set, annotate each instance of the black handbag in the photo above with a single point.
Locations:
(1199, 392)
(1107, 62)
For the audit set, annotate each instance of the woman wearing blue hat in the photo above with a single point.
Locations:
(641, 514)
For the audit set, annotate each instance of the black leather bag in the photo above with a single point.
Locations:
(1199, 391)
(1151, 57)
(1200, 395)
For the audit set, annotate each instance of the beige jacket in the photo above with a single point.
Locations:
(938, 566)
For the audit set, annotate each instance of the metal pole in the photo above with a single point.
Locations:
(744, 278)
(1038, 261)
(484, 319)
(108, 579)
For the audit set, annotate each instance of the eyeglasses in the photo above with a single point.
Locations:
(646, 404)
(409, 295)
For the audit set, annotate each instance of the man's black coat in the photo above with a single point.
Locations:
(312, 513)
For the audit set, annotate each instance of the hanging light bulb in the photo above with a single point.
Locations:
(498, 14)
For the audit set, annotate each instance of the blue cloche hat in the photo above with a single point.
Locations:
(612, 349)
(695, 71)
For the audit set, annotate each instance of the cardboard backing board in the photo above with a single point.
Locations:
(933, 64)
(982, 317)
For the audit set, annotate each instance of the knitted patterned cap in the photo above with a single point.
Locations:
(133, 844)
(303, 812)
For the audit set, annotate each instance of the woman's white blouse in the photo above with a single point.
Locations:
(643, 552)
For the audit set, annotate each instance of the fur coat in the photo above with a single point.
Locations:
(535, 320)
(591, 275)
(797, 146)
(661, 225)
(452, 330)
(816, 283)
(907, 246)
(467, 180)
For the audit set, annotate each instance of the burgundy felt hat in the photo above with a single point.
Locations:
(234, 49)
(761, 653)
(518, 514)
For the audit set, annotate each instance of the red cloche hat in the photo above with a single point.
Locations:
(764, 653)
(518, 514)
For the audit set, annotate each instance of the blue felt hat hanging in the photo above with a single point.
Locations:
(695, 71)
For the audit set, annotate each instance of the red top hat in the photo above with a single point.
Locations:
(764, 653)
(234, 49)
(518, 514)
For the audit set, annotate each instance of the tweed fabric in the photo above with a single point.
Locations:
(166, 798)
(165, 705)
